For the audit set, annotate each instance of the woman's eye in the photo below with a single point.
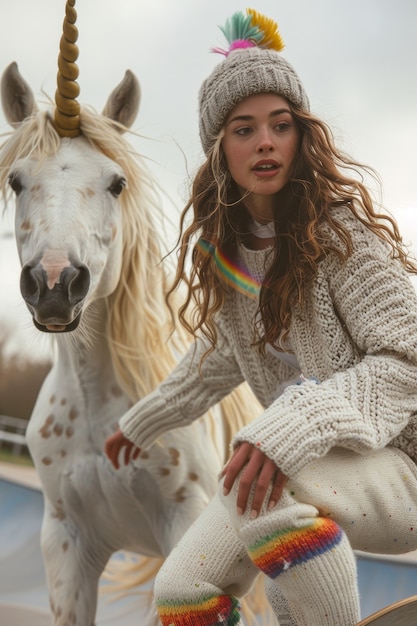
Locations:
(117, 186)
(15, 183)
(245, 130)
(282, 126)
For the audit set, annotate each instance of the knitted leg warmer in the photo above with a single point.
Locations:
(308, 557)
(200, 581)
(279, 604)
(211, 611)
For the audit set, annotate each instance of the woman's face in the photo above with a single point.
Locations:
(260, 142)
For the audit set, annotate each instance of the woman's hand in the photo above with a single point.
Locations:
(260, 471)
(114, 445)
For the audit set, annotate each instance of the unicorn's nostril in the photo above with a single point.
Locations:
(78, 284)
(32, 281)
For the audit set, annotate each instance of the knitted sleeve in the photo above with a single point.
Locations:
(186, 394)
(366, 405)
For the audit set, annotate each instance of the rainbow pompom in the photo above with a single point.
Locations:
(248, 31)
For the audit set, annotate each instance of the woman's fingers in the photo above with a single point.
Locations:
(255, 471)
(128, 445)
(265, 477)
(113, 446)
(235, 465)
(247, 479)
(279, 484)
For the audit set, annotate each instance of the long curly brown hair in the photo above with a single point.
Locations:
(322, 179)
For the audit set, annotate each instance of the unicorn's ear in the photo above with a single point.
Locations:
(123, 103)
(16, 96)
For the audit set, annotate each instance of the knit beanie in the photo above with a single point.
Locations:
(252, 65)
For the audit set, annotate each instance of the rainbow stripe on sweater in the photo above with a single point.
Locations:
(209, 611)
(235, 275)
(279, 551)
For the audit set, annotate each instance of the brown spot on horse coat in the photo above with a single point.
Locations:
(180, 495)
(73, 414)
(59, 513)
(58, 430)
(45, 431)
(175, 456)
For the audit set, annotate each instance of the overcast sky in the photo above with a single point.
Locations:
(357, 60)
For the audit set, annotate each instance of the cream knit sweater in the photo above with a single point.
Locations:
(355, 340)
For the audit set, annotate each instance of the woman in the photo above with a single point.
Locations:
(300, 288)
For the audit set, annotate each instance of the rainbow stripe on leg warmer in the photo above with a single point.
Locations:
(280, 550)
(209, 611)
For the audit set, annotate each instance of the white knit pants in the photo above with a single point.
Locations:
(305, 545)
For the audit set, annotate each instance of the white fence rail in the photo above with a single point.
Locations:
(12, 430)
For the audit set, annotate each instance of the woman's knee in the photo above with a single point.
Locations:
(373, 497)
(287, 513)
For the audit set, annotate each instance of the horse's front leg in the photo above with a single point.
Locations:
(72, 572)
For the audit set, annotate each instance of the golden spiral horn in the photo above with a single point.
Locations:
(67, 110)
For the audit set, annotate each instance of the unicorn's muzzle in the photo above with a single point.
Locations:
(55, 302)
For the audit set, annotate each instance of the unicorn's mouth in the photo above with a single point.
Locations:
(58, 328)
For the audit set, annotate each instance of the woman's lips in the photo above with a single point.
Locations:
(264, 169)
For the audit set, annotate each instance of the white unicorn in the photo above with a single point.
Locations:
(88, 230)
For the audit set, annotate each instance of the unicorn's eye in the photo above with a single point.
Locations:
(117, 186)
(15, 183)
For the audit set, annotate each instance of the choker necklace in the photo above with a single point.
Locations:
(263, 231)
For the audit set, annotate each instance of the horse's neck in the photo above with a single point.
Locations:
(83, 369)
(88, 363)
(78, 406)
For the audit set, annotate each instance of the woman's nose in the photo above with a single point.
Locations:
(265, 143)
